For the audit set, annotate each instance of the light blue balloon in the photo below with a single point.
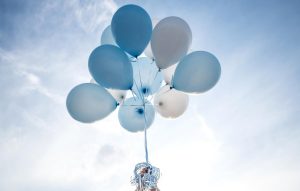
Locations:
(197, 72)
(134, 116)
(132, 28)
(147, 77)
(90, 102)
(111, 68)
(107, 37)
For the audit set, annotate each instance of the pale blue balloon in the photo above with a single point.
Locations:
(90, 102)
(134, 116)
(132, 28)
(197, 72)
(107, 37)
(147, 77)
(111, 68)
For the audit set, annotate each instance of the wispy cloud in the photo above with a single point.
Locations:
(38, 68)
(92, 15)
(242, 135)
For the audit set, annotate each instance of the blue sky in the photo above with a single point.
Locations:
(244, 134)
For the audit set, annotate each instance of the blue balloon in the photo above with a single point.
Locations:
(197, 72)
(111, 68)
(147, 77)
(134, 116)
(132, 28)
(107, 37)
(90, 102)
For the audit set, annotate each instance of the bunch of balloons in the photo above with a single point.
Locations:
(136, 57)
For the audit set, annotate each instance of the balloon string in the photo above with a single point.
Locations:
(155, 76)
(135, 83)
(145, 133)
(135, 104)
(150, 80)
(145, 136)
(153, 83)
(133, 95)
(145, 121)
(143, 96)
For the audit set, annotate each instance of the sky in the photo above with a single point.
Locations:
(244, 134)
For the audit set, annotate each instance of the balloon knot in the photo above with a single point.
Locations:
(145, 90)
(140, 110)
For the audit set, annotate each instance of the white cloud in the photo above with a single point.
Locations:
(40, 146)
(92, 15)
(231, 138)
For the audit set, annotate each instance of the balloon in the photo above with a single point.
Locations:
(171, 40)
(170, 103)
(119, 95)
(107, 37)
(132, 28)
(92, 81)
(168, 73)
(197, 72)
(89, 102)
(148, 51)
(134, 116)
(147, 77)
(111, 68)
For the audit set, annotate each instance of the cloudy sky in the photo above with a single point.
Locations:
(244, 134)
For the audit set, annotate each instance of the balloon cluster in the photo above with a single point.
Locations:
(136, 56)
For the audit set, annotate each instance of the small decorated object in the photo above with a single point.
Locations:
(145, 177)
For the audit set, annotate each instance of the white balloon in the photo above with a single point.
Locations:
(148, 51)
(119, 95)
(93, 81)
(171, 40)
(168, 73)
(170, 103)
